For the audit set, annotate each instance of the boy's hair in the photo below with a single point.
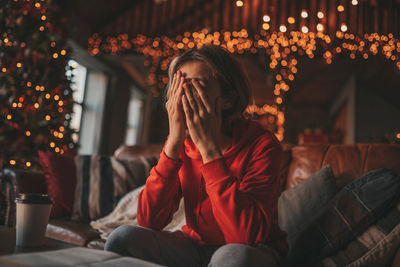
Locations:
(229, 74)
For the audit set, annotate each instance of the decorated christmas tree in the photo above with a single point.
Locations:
(35, 95)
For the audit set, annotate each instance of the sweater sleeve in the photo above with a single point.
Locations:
(244, 208)
(159, 199)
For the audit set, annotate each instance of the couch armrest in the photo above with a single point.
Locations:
(72, 232)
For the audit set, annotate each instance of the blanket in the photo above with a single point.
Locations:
(126, 213)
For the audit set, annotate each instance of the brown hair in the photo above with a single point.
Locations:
(230, 75)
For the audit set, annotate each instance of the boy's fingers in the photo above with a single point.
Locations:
(190, 98)
(203, 96)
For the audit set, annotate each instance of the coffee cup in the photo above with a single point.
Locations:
(33, 211)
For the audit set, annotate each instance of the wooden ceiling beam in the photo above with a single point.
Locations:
(113, 16)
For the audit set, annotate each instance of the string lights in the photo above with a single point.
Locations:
(283, 49)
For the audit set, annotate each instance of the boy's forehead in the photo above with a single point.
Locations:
(196, 70)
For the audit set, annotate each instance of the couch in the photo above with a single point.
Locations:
(348, 162)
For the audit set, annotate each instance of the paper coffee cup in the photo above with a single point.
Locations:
(33, 211)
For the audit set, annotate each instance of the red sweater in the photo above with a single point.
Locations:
(232, 199)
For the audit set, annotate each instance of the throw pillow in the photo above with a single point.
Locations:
(374, 247)
(60, 174)
(300, 205)
(351, 211)
(102, 181)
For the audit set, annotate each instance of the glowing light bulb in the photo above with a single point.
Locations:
(343, 27)
(239, 3)
(282, 28)
(354, 2)
(265, 26)
(304, 14)
(320, 27)
(320, 15)
(304, 29)
(266, 18)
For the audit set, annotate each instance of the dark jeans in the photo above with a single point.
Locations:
(177, 249)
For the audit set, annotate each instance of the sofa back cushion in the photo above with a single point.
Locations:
(102, 181)
(60, 174)
(300, 205)
(348, 162)
(376, 246)
(357, 206)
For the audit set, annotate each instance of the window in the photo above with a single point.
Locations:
(77, 74)
(135, 117)
(89, 91)
(92, 112)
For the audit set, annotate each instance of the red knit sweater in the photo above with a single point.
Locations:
(232, 199)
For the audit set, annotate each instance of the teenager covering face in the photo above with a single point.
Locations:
(225, 167)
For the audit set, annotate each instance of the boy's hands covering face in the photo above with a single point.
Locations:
(203, 119)
(175, 117)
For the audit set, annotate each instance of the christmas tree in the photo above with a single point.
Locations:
(35, 95)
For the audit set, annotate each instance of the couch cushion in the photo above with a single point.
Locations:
(73, 257)
(102, 181)
(71, 232)
(348, 162)
(98, 243)
(306, 160)
(125, 152)
(300, 205)
(60, 174)
(353, 209)
(376, 246)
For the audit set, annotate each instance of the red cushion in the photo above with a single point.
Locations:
(60, 174)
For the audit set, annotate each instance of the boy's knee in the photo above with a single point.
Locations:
(125, 237)
(231, 255)
(240, 255)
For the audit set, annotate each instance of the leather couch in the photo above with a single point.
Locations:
(348, 162)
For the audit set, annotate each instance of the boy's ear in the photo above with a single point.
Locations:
(227, 102)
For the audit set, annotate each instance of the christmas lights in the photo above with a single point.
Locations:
(33, 57)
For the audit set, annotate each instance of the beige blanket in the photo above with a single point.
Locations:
(126, 213)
